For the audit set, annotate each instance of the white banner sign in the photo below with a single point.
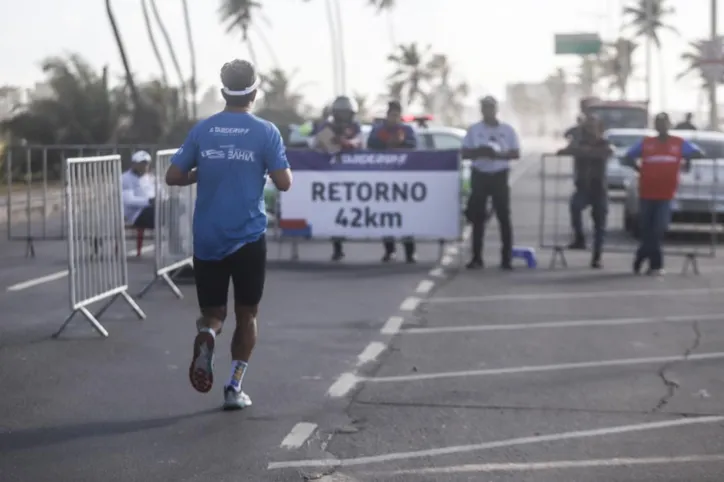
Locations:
(370, 195)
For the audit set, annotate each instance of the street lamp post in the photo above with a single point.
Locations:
(649, 46)
(714, 108)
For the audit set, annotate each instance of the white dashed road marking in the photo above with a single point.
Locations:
(299, 434)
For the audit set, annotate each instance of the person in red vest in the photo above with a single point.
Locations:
(661, 161)
(388, 135)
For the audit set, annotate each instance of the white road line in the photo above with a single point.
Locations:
(410, 304)
(437, 273)
(553, 465)
(38, 281)
(451, 250)
(424, 287)
(344, 384)
(370, 353)
(60, 274)
(447, 260)
(565, 324)
(299, 434)
(392, 325)
(572, 295)
(458, 449)
(546, 368)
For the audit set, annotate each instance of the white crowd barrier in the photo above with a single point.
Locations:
(174, 211)
(97, 266)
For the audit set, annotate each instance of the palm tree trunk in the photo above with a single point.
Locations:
(174, 58)
(154, 44)
(334, 40)
(252, 51)
(135, 95)
(192, 57)
(341, 51)
(267, 45)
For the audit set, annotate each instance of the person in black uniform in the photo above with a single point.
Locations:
(394, 134)
(590, 152)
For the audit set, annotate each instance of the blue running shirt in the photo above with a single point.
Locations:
(233, 152)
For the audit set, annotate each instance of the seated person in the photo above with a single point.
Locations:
(139, 192)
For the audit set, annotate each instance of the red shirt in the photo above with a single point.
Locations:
(660, 166)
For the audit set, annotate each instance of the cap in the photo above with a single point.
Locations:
(488, 100)
(239, 78)
(140, 156)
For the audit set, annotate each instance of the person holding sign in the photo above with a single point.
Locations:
(394, 134)
(491, 145)
(342, 133)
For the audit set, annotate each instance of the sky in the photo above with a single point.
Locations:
(490, 43)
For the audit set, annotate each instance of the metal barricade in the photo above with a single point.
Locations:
(97, 266)
(34, 179)
(174, 211)
(697, 212)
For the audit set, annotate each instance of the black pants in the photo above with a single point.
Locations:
(147, 218)
(493, 186)
(407, 242)
(245, 268)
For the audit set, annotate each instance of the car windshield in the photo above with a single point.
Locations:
(623, 141)
(622, 117)
(713, 149)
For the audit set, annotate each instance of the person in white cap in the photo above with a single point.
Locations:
(139, 192)
(490, 145)
(229, 156)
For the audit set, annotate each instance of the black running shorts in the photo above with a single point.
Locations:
(245, 268)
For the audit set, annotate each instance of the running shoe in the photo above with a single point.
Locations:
(234, 400)
(201, 371)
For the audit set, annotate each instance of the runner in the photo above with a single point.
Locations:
(139, 192)
(658, 180)
(230, 153)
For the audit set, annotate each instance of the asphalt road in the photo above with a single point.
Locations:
(606, 396)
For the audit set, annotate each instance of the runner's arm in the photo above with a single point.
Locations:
(130, 198)
(275, 160)
(182, 170)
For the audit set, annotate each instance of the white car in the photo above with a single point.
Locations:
(699, 194)
(621, 140)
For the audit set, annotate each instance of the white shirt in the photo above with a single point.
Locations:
(137, 191)
(502, 135)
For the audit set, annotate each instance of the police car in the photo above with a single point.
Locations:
(700, 193)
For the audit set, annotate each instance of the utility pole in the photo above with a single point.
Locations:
(649, 47)
(714, 108)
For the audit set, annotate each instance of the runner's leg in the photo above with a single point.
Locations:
(212, 287)
(248, 275)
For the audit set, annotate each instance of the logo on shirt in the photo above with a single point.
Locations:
(233, 153)
(213, 154)
(229, 131)
(367, 159)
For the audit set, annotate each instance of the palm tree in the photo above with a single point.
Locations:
(445, 100)
(152, 41)
(693, 60)
(130, 82)
(282, 103)
(588, 74)
(192, 56)
(617, 64)
(412, 72)
(238, 15)
(556, 84)
(172, 53)
(363, 112)
(638, 19)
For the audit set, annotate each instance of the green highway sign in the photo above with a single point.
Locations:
(578, 44)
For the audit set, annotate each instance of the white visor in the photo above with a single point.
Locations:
(247, 91)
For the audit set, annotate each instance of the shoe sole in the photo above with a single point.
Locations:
(201, 372)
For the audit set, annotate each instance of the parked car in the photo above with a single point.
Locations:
(699, 195)
(621, 140)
